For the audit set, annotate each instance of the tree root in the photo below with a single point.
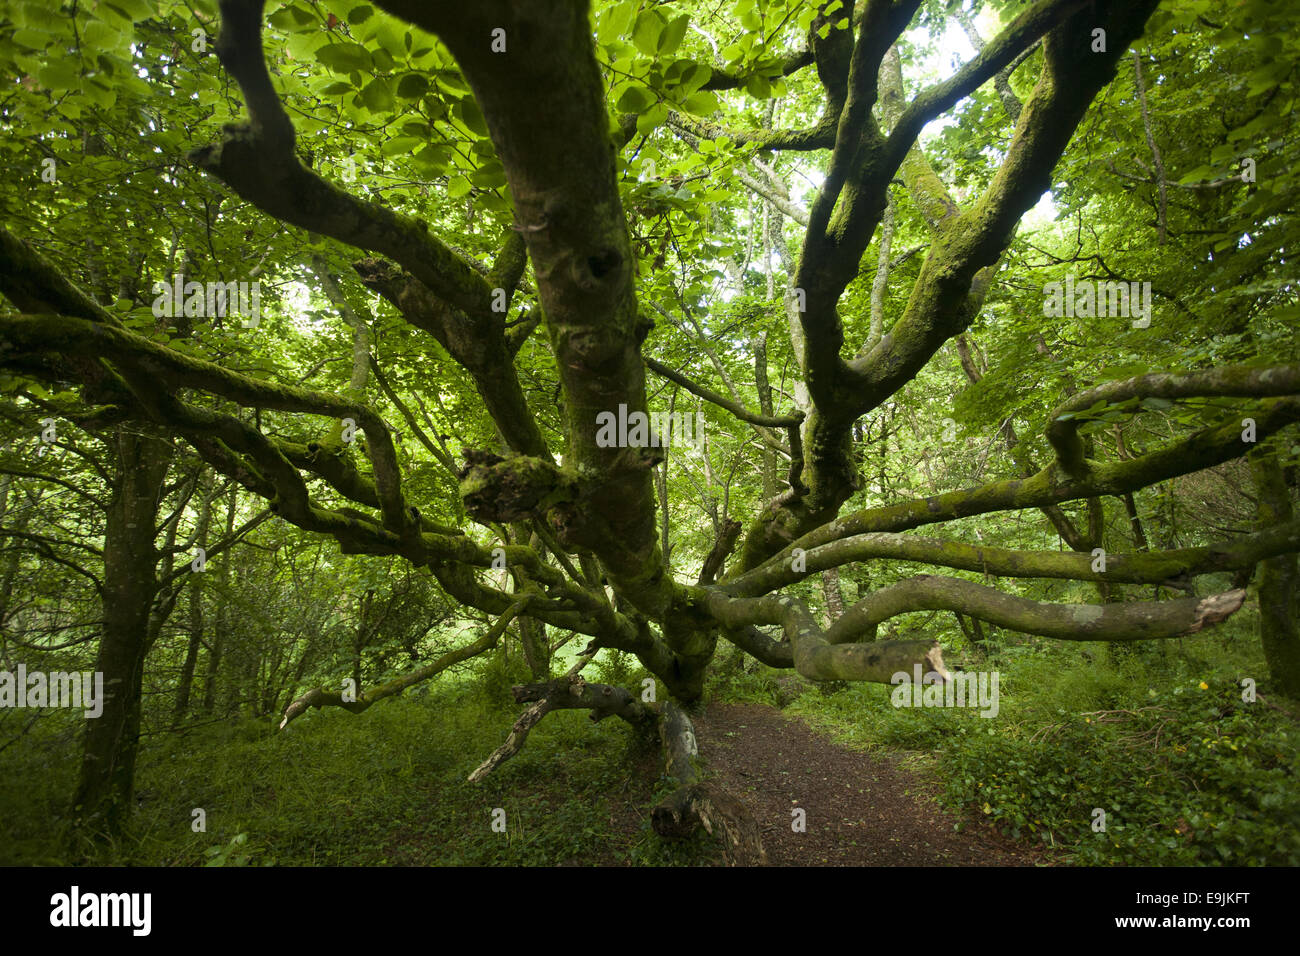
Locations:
(698, 803)
(695, 804)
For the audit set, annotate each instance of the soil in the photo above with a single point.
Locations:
(861, 809)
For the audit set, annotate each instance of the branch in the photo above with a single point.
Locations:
(153, 364)
(1202, 449)
(224, 544)
(790, 64)
(736, 408)
(821, 136)
(438, 454)
(881, 280)
(760, 646)
(1020, 35)
(1162, 224)
(1002, 81)
(530, 718)
(717, 556)
(1131, 621)
(1235, 381)
(320, 697)
(42, 549)
(813, 655)
(1139, 567)
(257, 160)
(574, 693)
(779, 202)
(480, 346)
(37, 476)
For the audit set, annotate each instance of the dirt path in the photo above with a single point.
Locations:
(862, 809)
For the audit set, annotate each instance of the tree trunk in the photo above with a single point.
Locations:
(182, 707)
(195, 584)
(1279, 621)
(102, 801)
(9, 567)
(764, 389)
(532, 636)
(219, 638)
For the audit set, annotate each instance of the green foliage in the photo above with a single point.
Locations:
(495, 677)
(234, 853)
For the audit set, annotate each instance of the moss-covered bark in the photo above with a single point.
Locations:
(1279, 576)
(103, 799)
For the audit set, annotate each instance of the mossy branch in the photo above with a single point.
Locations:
(1130, 621)
(258, 162)
(320, 697)
(1140, 567)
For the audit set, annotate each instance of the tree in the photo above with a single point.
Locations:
(530, 185)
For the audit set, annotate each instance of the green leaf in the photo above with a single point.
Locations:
(60, 74)
(400, 144)
(378, 95)
(412, 86)
(671, 37)
(696, 77)
(457, 187)
(32, 39)
(1197, 174)
(391, 37)
(98, 35)
(703, 103)
(134, 10)
(651, 119)
(467, 112)
(635, 99)
(291, 18)
(645, 34)
(433, 160)
(614, 22)
(38, 16)
(98, 93)
(345, 57)
(453, 81)
(758, 86)
(489, 176)
(360, 14)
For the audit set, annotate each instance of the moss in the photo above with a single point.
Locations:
(509, 489)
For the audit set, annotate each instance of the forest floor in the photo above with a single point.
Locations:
(862, 809)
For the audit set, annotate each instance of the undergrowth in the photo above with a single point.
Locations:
(387, 787)
(1143, 756)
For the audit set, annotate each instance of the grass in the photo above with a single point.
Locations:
(383, 788)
